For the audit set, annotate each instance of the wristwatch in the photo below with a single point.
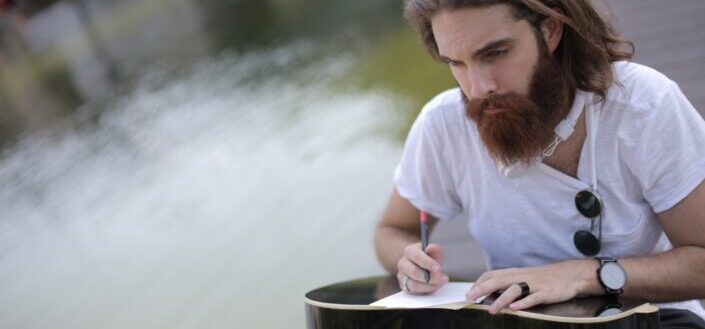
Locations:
(611, 275)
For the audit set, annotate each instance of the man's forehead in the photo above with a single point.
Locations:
(473, 28)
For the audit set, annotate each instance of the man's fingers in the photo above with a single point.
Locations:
(527, 302)
(420, 258)
(510, 272)
(436, 252)
(484, 277)
(507, 297)
(438, 278)
(414, 272)
(485, 288)
(420, 288)
(413, 265)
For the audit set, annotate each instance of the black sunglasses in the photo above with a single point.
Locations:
(590, 206)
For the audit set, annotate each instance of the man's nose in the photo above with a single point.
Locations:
(482, 84)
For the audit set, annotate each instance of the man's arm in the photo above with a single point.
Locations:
(399, 250)
(398, 228)
(678, 274)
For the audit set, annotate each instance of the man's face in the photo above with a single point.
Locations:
(514, 89)
(487, 49)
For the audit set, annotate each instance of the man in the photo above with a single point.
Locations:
(555, 150)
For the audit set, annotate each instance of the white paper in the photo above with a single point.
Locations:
(450, 293)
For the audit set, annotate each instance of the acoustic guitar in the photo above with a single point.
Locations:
(346, 305)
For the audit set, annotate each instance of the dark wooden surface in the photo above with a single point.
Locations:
(336, 312)
(670, 37)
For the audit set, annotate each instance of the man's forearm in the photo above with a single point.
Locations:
(389, 245)
(678, 274)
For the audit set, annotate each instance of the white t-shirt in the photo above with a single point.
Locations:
(645, 150)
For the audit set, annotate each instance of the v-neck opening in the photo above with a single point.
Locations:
(582, 173)
(579, 181)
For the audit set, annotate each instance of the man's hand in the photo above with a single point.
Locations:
(548, 284)
(412, 264)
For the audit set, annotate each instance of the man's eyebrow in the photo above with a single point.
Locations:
(487, 47)
(491, 45)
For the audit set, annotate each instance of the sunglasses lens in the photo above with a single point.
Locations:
(588, 204)
(586, 243)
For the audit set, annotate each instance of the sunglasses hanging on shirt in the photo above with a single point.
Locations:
(590, 206)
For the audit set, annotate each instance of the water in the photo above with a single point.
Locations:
(206, 184)
(200, 204)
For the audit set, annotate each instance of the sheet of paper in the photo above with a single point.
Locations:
(451, 293)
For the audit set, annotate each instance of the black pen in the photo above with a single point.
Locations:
(424, 240)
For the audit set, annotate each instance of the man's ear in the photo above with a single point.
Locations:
(552, 30)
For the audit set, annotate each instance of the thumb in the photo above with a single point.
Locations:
(436, 252)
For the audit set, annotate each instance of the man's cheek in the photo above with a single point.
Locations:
(464, 84)
(466, 90)
(513, 77)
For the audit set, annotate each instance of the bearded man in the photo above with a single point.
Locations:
(579, 173)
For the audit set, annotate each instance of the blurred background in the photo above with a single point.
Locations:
(203, 164)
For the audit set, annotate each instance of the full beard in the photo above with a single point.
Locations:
(525, 125)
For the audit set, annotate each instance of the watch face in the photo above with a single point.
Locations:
(613, 276)
(609, 312)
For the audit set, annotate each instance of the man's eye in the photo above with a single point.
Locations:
(452, 63)
(496, 53)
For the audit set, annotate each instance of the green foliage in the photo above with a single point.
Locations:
(398, 62)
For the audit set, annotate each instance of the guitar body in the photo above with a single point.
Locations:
(346, 305)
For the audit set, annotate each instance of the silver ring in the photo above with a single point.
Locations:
(403, 284)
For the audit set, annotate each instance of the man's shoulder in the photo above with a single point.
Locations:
(638, 85)
(444, 101)
(444, 117)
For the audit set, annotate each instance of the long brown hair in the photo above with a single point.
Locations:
(589, 45)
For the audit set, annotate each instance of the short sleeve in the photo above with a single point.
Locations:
(671, 151)
(423, 175)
